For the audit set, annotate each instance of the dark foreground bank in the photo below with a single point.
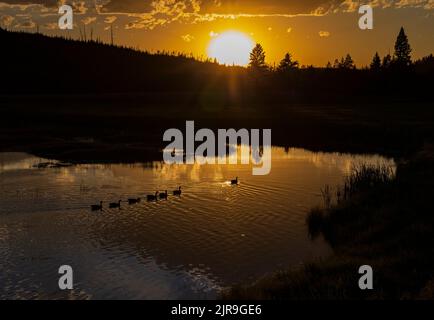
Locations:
(130, 128)
(381, 220)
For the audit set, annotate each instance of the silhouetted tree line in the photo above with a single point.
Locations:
(401, 58)
(390, 77)
(34, 64)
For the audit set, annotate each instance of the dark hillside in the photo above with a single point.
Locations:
(34, 63)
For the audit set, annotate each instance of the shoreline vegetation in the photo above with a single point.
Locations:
(383, 220)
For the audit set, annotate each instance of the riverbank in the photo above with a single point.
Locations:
(387, 225)
(129, 128)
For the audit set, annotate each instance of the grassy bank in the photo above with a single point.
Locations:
(382, 220)
(130, 128)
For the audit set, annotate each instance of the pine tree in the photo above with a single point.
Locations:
(111, 34)
(257, 58)
(287, 63)
(387, 61)
(376, 62)
(348, 62)
(402, 50)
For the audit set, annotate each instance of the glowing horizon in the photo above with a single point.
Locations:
(314, 32)
(231, 48)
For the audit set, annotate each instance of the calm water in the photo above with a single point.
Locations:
(213, 236)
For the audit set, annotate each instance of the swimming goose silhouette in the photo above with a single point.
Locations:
(152, 197)
(133, 200)
(163, 195)
(234, 181)
(115, 204)
(177, 192)
(96, 207)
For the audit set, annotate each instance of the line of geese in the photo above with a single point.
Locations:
(150, 197)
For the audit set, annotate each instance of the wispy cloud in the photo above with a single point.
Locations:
(51, 26)
(26, 24)
(88, 20)
(110, 19)
(6, 20)
(149, 14)
(324, 34)
(353, 5)
(187, 37)
(81, 7)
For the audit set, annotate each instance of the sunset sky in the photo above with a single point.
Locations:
(314, 31)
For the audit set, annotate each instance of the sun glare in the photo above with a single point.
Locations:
(231, 47)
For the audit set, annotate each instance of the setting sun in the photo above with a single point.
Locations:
(231, 47)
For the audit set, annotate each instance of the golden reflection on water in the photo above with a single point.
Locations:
(342, 162)
(212, 236)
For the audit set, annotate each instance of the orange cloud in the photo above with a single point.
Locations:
(324, 34)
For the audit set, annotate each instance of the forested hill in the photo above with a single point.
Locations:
(41, 64)
(38, 64)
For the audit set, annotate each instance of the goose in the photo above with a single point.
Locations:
(134, 200)
(115, 204)
(234, 181)
(177, 192)
(96, 207)
(152, 197)
(163, 195)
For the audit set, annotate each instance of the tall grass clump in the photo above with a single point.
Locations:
(365, 177)
(362, 179)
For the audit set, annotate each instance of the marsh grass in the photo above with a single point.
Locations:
(384, 219)
(364, 177)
